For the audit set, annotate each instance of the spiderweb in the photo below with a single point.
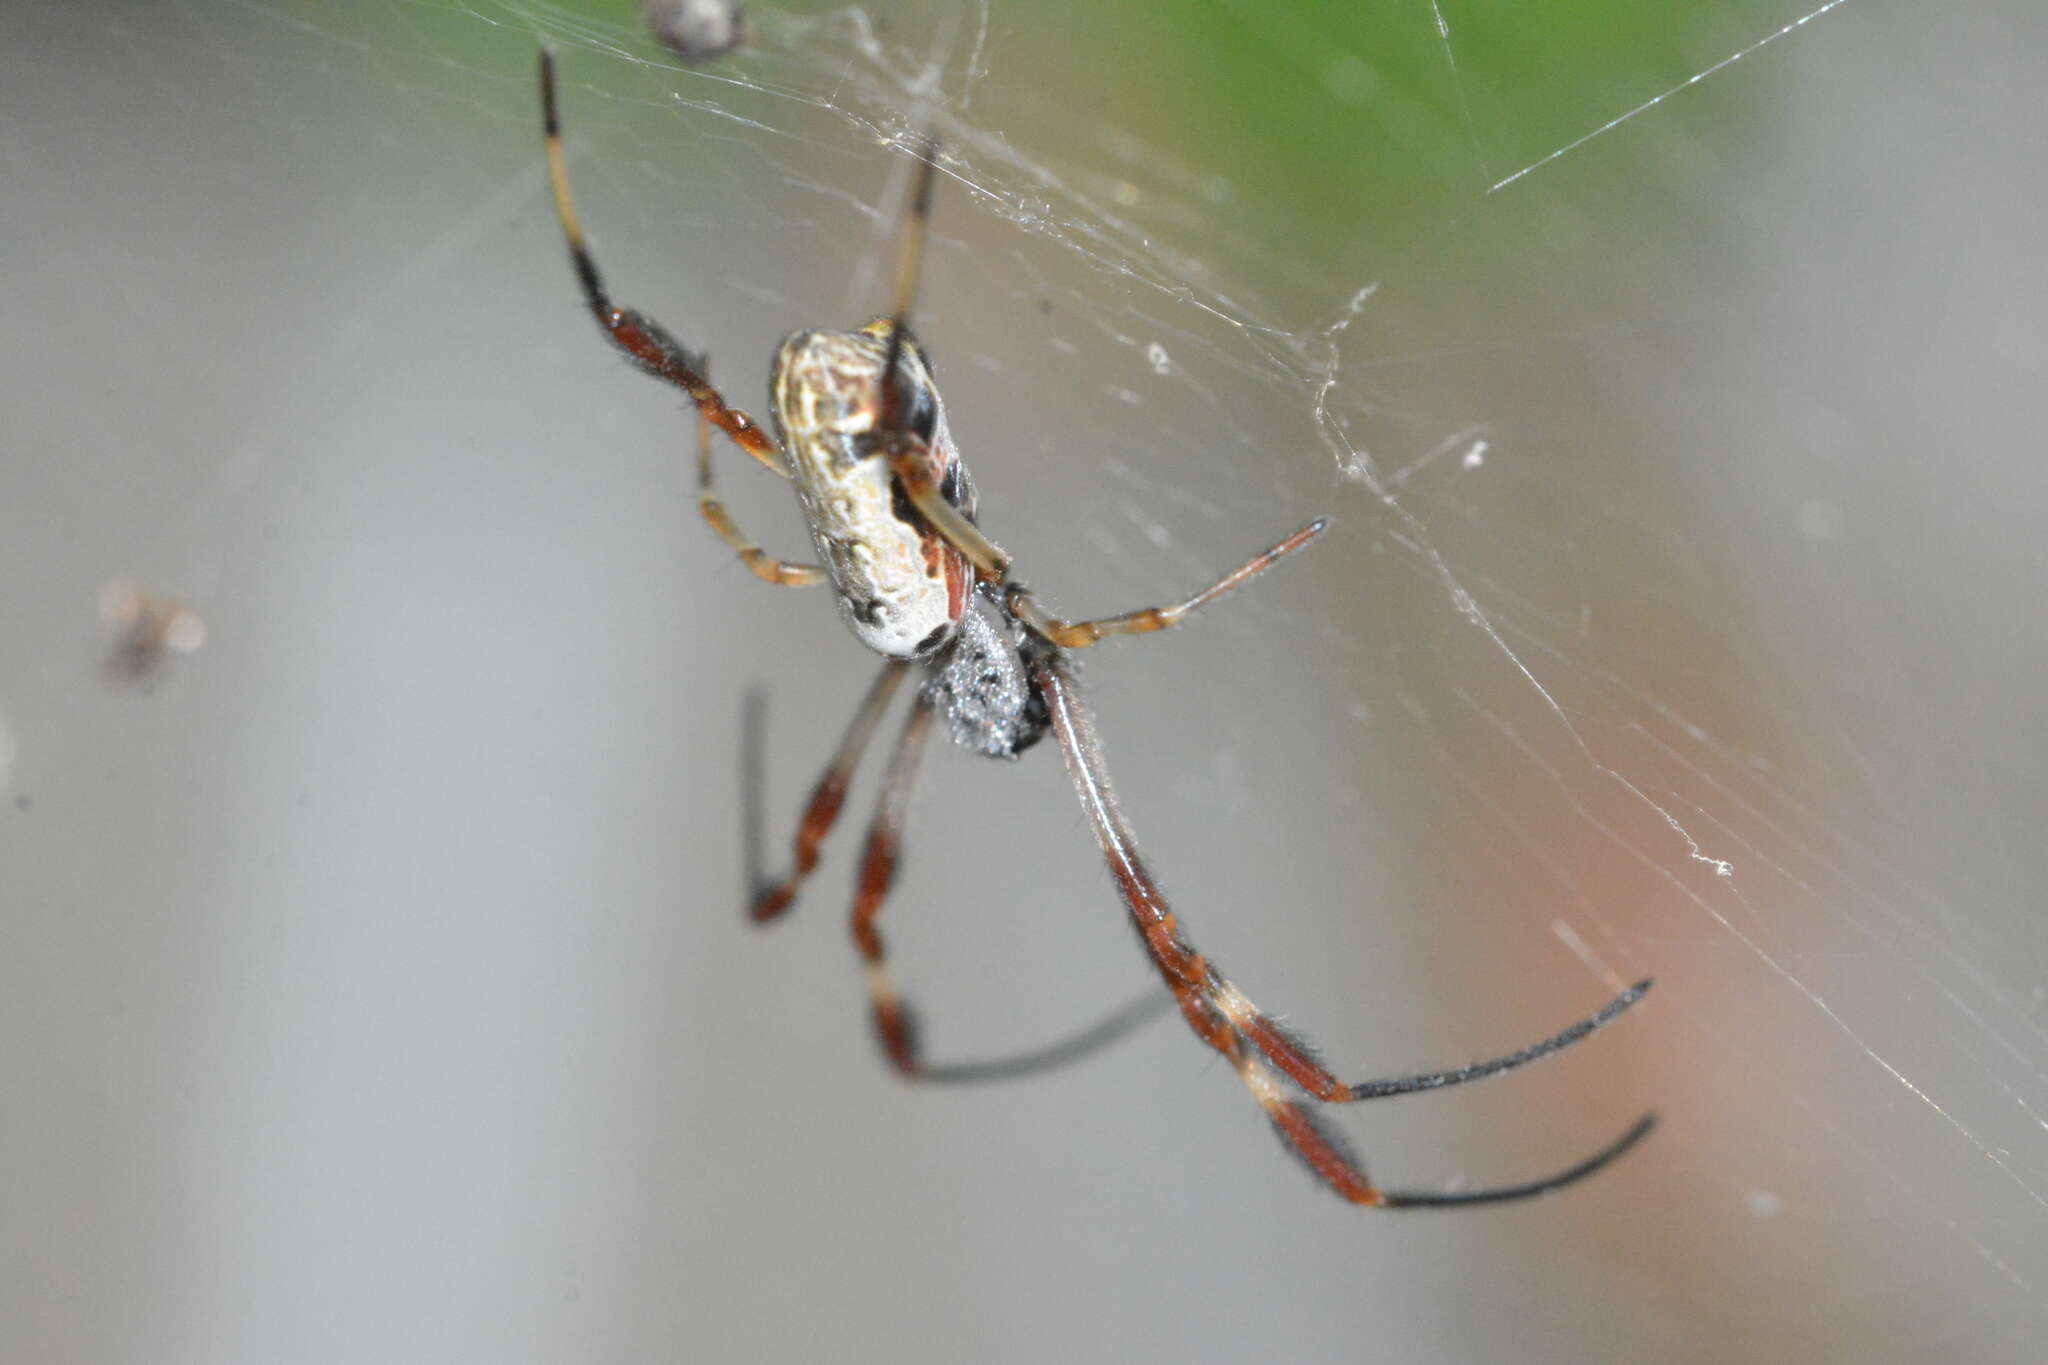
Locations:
(375, 984)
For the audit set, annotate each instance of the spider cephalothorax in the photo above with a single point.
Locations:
(862, 435)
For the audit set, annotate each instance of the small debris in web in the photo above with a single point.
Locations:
(148, 630)
(695, 30)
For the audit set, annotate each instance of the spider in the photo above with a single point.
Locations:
(861, 433)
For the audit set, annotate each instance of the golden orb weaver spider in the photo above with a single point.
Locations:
(861, 434)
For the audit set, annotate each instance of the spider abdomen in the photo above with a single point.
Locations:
(901, 587)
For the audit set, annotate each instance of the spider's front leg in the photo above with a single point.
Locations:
(639, 336)
(915, 466)
(1258, 1049)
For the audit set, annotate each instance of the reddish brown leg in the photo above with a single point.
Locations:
(895, 1023)
(830, 793)
(639, 336)
(1221, 1016)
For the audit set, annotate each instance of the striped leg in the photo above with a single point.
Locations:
(830, 793)
(643, 339)
(1223, 1018)
(895, 1023)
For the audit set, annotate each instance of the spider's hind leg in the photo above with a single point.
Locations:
(829, 794)
(895, 1026)
(1267, 1059)
(895, 1023)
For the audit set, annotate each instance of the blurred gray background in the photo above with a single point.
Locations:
(374, 982)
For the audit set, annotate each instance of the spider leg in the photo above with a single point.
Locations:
(909, 458)
(1221, 1016)
(1329, 1157)
(1078, 634)
(895, 1023)
(830, 792)
(1119, 1023)
(1295, 1058)
(1502, 1194)
(910, 467)
(639, 336)
(1183, 966)
(1437, 1080)
(764, 566)
(894, 1026)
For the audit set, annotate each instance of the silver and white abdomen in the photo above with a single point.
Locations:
(901, 587)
